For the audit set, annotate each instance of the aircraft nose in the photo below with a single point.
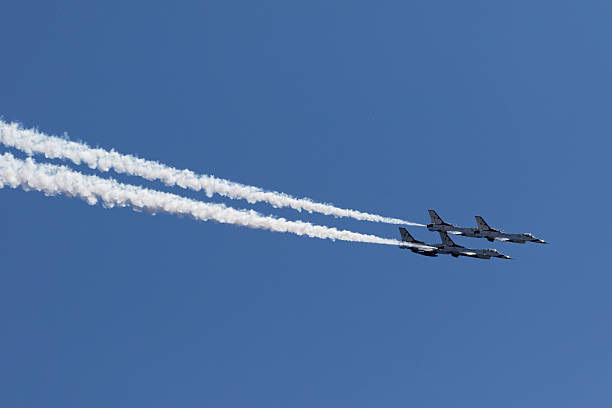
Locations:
(507, 257)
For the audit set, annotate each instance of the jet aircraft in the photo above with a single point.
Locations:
(483, 231)
(448, 247)
(493, 234)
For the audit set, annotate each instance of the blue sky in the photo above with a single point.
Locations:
(500, 109)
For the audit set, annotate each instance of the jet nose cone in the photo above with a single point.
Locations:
(506, 257)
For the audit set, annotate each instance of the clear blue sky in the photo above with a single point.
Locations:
(500, 109)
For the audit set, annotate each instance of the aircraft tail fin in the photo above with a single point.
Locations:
(435, 218)
(482, 225)
(406, 237)
(446, 239)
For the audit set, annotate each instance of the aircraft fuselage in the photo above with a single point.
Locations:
(453, 229)
(472, 253)
(490, 235)
(456, 251)
(504, 236)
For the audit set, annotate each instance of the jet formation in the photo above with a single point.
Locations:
(447, 246)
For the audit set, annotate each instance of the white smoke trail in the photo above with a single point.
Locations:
(32, 141)
(53, 180)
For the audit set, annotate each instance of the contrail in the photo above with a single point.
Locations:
(53, 180)
(32, 141)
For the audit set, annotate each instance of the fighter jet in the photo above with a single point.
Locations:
(491, 234)
(448, 247)
(483, 231)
